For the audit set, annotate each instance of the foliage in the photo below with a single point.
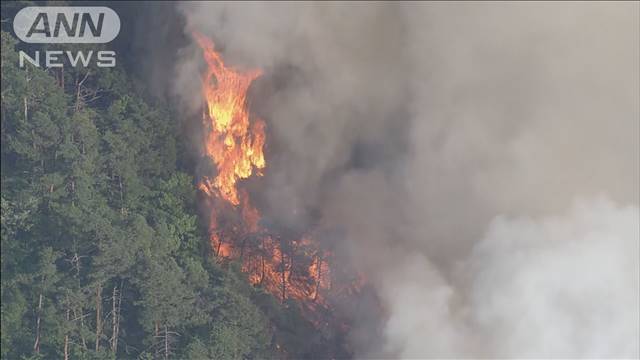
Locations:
(102, 253)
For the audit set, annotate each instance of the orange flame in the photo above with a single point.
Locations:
(234, 145)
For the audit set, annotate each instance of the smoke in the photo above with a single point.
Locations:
(553, 287)
(451, 144)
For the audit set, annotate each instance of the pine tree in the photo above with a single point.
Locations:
(102, 253)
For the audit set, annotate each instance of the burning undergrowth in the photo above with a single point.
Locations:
(290, 265)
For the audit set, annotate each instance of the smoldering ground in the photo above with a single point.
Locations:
(481, 161)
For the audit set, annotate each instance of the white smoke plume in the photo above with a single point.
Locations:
(452, 143)
(563, 286)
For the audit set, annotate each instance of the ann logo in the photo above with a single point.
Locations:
(41, 25)
(66, 24)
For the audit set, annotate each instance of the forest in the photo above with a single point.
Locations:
(104, 254)
(336, 180)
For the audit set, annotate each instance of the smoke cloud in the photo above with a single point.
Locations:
(561, 286)
(481, 161)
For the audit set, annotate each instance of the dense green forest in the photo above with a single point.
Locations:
(103, 252)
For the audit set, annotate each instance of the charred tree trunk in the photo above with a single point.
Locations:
(156, 336)
(162, 341)
(166, 343)
(262, 269)
(282, 273)
(24, 99)
(244, 240)
(220, 240)
(66, 336)
(81, 317)
(98, 315)
(121, 195)
(26, 109)
(36, 344)
(79, 97)
(116, 303)
(114, 318)
(318, 277)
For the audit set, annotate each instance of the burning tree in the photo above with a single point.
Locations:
(234, 141)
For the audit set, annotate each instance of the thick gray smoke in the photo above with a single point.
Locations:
(480, 159)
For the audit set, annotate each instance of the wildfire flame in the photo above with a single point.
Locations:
(297, 269)
(234, 145)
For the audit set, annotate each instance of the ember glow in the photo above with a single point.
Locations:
(234, 140)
